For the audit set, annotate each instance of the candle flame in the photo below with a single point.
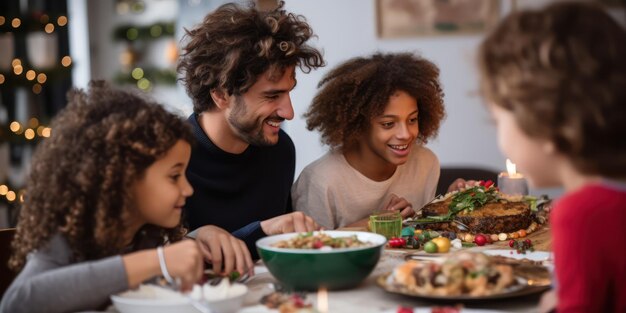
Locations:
(322, 300)
(510, 167)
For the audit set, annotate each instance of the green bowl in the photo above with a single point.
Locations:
(304, 269)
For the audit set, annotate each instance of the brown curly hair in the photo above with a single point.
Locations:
(358, 90)
(562, 72)
(235, 44)
(82, 176)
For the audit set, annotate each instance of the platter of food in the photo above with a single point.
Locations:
(476, 215)
(462, 276)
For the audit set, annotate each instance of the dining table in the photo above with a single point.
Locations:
(370, 297)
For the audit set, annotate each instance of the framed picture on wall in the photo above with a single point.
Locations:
(411, 18)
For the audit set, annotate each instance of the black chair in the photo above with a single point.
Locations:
(6, 274)
(450, 174)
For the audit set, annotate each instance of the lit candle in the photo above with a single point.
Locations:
(511, 182)
(322, 300)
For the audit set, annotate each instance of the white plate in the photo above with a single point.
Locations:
(464, 310)
(520, 289)
(540, 256)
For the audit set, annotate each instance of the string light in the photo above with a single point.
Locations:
(37, 89)
(18, 70)
(143, 84)
(16, 22)
(49, 28)
(41, 78)
(1, 79)
(122, 8)
(66, 61)
(29, 134)
(21, 195)
(11, 196)
(137, 73)
(16, 62)
(62, 20)
(40, 130)
(132, 33)
(46, 132)
(33, 122)
(15, 126)
(4, 189)
(30, 75)
(156, 30)
(2, 20)
(44, 19)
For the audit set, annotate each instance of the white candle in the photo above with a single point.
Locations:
(511, 182)
(322, 300)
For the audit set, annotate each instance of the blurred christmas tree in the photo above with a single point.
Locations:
(35, 75)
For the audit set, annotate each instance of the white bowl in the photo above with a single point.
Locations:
(170, 301)
(131, 305)
(228, 305)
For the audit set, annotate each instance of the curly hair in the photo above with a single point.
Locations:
(358, 90)
(562, 72)
(235, 44)
(82, 176)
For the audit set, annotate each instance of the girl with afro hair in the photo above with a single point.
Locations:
(375, 113)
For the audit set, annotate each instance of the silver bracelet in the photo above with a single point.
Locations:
(163, 266)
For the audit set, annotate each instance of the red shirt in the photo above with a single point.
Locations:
(589, 243)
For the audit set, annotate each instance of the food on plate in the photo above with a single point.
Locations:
(462, 273)
(320, 240)
(480, 208)
(443, 244)
(287, 302)
(522, 246)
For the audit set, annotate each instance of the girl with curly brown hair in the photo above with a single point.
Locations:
(105, 190)
(555, 83)
(375, 113)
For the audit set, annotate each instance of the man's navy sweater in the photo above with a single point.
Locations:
(237, 191)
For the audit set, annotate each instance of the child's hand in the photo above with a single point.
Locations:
(461, 183)
(184, 262)
(220, 247)
(400, 204)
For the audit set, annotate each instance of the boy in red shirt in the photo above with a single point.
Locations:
(555, 83)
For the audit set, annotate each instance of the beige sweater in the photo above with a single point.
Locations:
(336, 195)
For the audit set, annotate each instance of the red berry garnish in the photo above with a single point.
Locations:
(402, 309)
(480, 240)
(511, 243)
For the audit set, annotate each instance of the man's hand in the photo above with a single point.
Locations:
(400, 204)
(220, 247)
(288, 223)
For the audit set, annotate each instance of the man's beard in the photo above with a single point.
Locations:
(251, 131)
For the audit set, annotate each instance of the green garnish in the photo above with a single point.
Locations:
(532, 201)
(471, 198)
(234, 275)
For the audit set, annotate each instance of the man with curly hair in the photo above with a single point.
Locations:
(238, 67)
